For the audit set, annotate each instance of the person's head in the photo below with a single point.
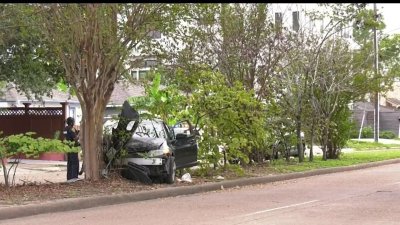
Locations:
(70, 121)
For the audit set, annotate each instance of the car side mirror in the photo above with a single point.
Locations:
(180, 136)
(196, 133)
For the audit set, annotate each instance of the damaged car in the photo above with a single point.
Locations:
(152, 150)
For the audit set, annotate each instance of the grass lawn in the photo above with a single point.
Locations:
(362, 145)
(346, 159)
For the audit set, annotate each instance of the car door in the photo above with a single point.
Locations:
(185, 145)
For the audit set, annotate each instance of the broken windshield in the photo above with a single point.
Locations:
(149, 128)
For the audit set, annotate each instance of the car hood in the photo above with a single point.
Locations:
(127, 115)
(144, 144)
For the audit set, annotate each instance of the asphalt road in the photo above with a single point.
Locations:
(368, 196)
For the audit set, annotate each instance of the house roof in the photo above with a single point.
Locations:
(370, 106)
(11, 94)
(122, 91)
(394, 101)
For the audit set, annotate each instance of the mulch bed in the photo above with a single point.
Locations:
(115, 184)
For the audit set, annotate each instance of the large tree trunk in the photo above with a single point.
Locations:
(3, 165)
(332, 147)
(300, 149)
(93, 103)
(324, 141)
(312, 140)
(92, 139)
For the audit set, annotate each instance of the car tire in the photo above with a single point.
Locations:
(169, 177)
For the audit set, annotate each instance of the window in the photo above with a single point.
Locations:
(278, 20)
(150, 63)
(182, 128)
(168, 131)
(134, 74)
(142, 74)
(152, 129)
(72, 112)
(296, 24)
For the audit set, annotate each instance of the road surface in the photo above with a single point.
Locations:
(369, 197)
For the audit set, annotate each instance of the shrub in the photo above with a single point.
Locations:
(387, 134)
(367, 132)
(24, 144)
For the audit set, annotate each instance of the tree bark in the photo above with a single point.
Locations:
(92, 139)
(311, 158)
(3, 164)
(300, 149)
(325, 141)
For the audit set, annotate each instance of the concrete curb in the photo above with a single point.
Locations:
(90, 202)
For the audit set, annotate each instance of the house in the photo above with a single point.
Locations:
(122, 91)
(389, 117)
(389, 113)
(391, 98)
(13, 98)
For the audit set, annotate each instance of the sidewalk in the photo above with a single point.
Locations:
(42, 162)
(381, 140)
(39, 171)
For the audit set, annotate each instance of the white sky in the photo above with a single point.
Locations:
(390, 11)
(391, 16)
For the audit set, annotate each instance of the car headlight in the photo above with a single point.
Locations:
(156, 153)
(164, 150)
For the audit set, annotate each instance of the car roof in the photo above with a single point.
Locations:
(151, 120)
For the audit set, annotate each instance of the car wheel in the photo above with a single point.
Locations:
(170, 176)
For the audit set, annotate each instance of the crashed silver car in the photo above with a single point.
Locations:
(152, 149)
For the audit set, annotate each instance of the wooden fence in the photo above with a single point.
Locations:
(44, 121)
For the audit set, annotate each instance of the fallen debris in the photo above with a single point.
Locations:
(220, 178)
(186, 178)
(137, 172)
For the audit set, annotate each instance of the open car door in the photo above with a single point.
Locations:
(185, 144)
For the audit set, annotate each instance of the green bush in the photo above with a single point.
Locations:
(367, 132)
(25, 144)
(387, 134)
(354, 132)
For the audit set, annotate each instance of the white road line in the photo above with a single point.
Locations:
(283, 207)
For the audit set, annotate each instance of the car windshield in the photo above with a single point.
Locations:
(149, 128)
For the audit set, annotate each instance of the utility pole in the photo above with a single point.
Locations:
(376, 114)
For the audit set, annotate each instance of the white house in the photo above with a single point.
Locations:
(13, 98)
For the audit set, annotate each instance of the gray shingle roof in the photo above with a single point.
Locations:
(122, 91)
(370, 106)
(393, 101)
(11, 94)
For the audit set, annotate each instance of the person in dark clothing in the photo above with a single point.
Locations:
(71, 134)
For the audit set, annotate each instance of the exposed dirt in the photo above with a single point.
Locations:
(115, 184)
